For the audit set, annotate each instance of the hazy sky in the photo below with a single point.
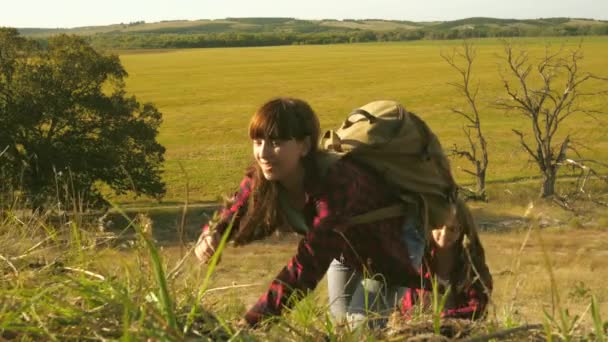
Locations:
(72, 13)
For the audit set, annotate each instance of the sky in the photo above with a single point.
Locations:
(76, 13)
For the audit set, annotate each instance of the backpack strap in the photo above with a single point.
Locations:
(359, 111)
(408, 205)
(378, 214)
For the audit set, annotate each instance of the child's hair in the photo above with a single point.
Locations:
(281, 118)
(439, 213)
(470, 263)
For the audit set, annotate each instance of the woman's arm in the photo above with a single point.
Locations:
(473, 308)
(476, 297)
(299, 276)
(215, 228)
(471, 303)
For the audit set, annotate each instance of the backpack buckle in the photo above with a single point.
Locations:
(331, 141)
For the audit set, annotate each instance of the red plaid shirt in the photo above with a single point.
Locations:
(469, 302)
(347, 190)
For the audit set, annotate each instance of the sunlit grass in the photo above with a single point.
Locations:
(132, 288)
(208, 95)
(65, 278)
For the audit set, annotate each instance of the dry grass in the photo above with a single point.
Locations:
(88, 290)
(579, 259)
(522, 290)
(578, 254)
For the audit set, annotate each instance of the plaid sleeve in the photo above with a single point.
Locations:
(474, 309)
(299, 276)
(236, 205)
(417, 296)
(473, 301)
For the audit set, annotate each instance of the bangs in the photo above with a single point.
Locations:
(270, 123)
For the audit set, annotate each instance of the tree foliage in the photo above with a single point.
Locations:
(300, 32)
(67, 123)
(216, 36)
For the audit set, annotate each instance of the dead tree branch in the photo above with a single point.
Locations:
(476, 153)
(546, 92)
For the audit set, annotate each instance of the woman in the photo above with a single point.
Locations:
(285, 187)
(456, 260)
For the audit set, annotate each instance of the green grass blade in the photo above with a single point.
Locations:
(598, 324)
(159, 275)
(212, 263)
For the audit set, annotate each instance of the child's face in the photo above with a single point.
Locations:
(445, 236)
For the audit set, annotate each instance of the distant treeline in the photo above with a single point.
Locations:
(286, 31)
(234, 39)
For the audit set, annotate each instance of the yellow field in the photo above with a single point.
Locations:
(208, 95)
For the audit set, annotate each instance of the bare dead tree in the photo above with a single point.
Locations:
(586, 173)
(554, 95)
(461, 60)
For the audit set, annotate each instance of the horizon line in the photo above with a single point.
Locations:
(294, 18)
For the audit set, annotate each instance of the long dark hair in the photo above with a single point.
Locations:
(471, 267)
(281, 118)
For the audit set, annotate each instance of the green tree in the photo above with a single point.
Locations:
(67, 123)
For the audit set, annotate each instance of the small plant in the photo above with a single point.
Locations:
(303, 316)
(144, 232)
(438, 305)
(565, 324)
(575, 223)
(212, 264)
(602, 222)
(598, 324)
(579, 291)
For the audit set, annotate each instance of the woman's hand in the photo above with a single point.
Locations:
(206, 245)
(242, 324)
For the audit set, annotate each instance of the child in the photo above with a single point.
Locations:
(456, 260)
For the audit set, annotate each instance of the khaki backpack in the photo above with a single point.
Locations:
(401, 148)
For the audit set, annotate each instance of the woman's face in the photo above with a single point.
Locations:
(280, 160)
(445, 236)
